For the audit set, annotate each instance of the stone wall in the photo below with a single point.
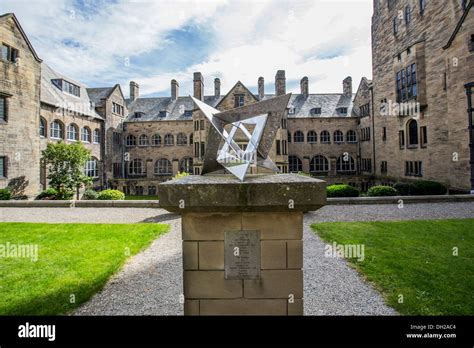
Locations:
(20, 83)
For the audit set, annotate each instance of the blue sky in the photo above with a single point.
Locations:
(102, 43)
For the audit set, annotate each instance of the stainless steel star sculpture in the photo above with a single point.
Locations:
(223, 152)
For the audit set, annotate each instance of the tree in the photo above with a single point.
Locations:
(65, 164)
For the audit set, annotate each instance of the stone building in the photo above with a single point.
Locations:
(422, 59)
(410, 122)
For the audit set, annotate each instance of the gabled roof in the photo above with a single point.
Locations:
(5, 17)
(459, 25)
(100, 94)
(363, 81)
(230, 91)
(53, 96)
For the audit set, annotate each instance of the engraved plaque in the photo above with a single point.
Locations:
(242, 255)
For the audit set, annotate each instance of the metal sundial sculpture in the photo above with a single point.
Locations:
(223, 152)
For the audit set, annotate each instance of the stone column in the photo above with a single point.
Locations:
(242, 241)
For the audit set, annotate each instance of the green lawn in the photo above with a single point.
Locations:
(74, 262)
(414, 259)
(141, 198)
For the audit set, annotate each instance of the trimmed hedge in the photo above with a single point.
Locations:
(111, 195)
(429, 188)
(382, 191)
(5, 195)
(405, 188)
(48, 194)
(90, 195)
(342, 191)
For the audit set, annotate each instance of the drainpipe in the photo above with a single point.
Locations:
(470, 111)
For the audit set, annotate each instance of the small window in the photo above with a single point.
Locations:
(203, 149)
(56, 130)
(342, 111)
(401, 139)
(143, 140)
(295, 164)
(471, 47)
(151, 190)
(383, 167)
(96, 136)
(395, 26)
(299, 137)
(162, 113)
(91, 169)
(138, 114)
(42, 128)
(325, 137)
(86, 135)
(72, 132)
(338, 137)
(422, 6)
(156, 140)
(384, 133)
(278, 147)
(315, 111)
(312, 137)
(412, 129)
(3, 167)
(3, 108)
(239, 100)
(351, 136)
(188, 113)
(131, 140)
(163, 167)
(319, 165)
(186, 165)
(424, 136)
(408, 14)
(182, 139)
(117, 109)
(201, 125)
(169, 140)
(136, 167)
(9, 53)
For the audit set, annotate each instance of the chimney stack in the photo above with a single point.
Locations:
(261, 88)
(174, 89)
(304, 86)
(198, 86)
(217, 87)
(280, 83)
(134, 90)
(347, 86)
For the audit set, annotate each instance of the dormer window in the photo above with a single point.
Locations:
(342, 111)
(9, 53)
(138, 114)
(67, 87)
(188, 113)
(315, 111)
(162, 113)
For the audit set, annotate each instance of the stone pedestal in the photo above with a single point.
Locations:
(242, 242)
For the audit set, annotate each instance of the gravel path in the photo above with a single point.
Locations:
(151, 282)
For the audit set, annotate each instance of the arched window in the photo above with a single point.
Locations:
(351, 136)
(136, 167)
(319, 164)
(131, 140)
(96, 136)
(91, 168)
(86, 135)
(42, 129)
(289, 137)
(169, 140)
(57, 130)
(345, 164)
(143, 140)
(72, 132)
(299, 137)
(181, 139)
(295, 164)
(312, 137)
(163, 167)
(325, 137)
(186, 165)
(156, 140)
(191, 139)
(412, 131)
(338, 137)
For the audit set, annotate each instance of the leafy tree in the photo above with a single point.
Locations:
(65, 164)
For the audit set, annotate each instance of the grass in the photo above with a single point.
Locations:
(141, 198)
(74, 262)
(414, 259)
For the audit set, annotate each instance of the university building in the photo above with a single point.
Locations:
(411, 122)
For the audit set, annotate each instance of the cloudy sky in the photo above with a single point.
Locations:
(103, 42)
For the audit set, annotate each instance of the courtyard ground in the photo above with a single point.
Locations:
(151, 282)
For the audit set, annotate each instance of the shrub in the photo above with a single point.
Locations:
(429, 188)
(342, 191)
(90, 195)
(5, 195)
(48, 194)
(111, 195)
(405, 188)
(381, 191)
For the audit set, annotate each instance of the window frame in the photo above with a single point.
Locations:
(75, 133)
(52, 132)
(4, 171)
(4, 99)
(321, 162)
(312, 137)
(159, 167)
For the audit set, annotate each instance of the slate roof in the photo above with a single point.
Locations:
(52, 95)
(175, 109)
(151, 107)
(98, 95)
